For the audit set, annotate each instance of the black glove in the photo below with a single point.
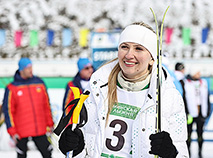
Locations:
(161, 145)
(71, 140)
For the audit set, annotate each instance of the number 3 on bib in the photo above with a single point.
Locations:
(119, 134)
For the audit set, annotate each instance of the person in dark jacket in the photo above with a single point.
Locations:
(197, 102)
(27, 110)
(81, 79)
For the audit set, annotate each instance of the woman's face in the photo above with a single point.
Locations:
(134, 59)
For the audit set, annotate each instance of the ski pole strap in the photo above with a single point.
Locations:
(65, 119)
(78, 108)
(76, 92)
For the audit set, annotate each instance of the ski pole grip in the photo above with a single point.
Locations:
(76, 114)
(76, 92)
(78, 108)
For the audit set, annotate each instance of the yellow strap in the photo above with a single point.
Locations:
(76, 92)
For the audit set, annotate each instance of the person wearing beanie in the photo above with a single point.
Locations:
(180, 75)
(180, 71)
(27, 110)
(197, 104)
(23, 63)
(179, 66)
(81, 80)
(121, 107)
(165, 64)
(25, 68)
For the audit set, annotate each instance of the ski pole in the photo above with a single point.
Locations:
(77, 110)
(76, 93)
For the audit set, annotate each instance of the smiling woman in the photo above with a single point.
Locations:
(122, 105)
(134, 60)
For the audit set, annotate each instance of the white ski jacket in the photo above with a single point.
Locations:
(191, 97)
(173, 118)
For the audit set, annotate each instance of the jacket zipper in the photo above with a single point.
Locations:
(33, 107)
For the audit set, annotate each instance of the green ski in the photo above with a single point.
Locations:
(159, 74)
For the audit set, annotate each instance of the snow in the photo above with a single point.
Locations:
(207, 152)
(109, 14)
(30, 154)
(42, 15)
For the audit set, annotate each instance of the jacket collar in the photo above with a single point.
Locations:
(151, 95)
(19, 79)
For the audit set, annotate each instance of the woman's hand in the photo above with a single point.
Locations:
(71, 140)
(161, 145)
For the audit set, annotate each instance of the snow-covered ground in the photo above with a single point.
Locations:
(207, 152)
(30, 154)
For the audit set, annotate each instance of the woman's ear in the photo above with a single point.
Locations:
(151, 62)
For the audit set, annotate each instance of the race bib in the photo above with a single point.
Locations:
(118, 134)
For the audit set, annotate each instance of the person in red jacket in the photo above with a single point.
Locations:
(27, 110)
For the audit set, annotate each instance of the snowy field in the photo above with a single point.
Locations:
(30, 154)
(207, 152)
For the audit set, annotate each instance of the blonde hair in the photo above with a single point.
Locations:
(143, 24)
(112, 79)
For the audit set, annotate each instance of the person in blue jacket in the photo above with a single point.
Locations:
(165, 63)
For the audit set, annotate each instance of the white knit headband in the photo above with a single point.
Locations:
(141, 35)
